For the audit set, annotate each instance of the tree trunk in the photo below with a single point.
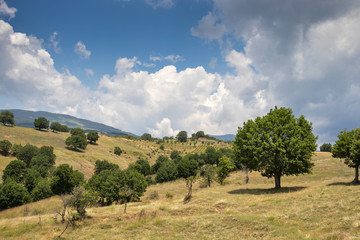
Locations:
(247, 175)
(125, 205)
(356, 179)
(277, 181)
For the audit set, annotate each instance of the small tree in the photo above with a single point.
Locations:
(92, 137)
(15, 149)
(189, 184)
(200, 134)
(326, 147)
(224, 169)
(5, 147)
(146, 137)
(347, 147)
(81, 199)
(55, 126)
(7, 118)
(142, 166)
(75, 142)
(117, 151)
(208, 173)
(41, 123)
(167, 172)
(187, 167)
(182, 136)
(27, 153)
(78, 131)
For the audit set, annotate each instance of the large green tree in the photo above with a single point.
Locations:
(347, 147)
(7, 118)
(41, 123)
(276, 144)
(13, 194)
(182, 136)
(76, 141)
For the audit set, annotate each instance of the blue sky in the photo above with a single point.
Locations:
(161, 66)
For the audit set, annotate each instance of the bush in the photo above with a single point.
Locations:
(142, 166)
(153, 195)
(13, 194)
(65, 179)
(5, 147)
(169, 195)
(42, 190)
(16, 149)
(167, 172)
(117, 151)
(15, 170)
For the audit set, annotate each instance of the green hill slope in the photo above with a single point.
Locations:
(322, 205)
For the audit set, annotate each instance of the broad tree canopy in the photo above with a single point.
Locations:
(276, 144)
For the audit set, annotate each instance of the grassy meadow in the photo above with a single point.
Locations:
(321, 205)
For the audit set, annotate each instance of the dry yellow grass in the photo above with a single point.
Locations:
(322, 205)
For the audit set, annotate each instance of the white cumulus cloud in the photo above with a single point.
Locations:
(80, 49)
(6, 11)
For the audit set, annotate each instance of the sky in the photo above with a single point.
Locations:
(161, 66)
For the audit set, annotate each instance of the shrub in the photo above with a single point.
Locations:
(5, 147)
(42, 190)
(117, 151)
(167, 172)
(13, 194)
(169, 195)
(153, 195)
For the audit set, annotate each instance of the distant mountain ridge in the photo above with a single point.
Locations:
(226, 137)
(25, 118)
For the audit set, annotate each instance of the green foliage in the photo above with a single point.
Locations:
(208, 174)
(78, 131)
(348, 148)
(117, 151)
(224, 169)
(175, 155)
(276, 144)
(31, 179)
(26, 153)
(81, 199)
(182, 136)
(142, 166)
(167, 172)
(15, 171)
(7, 118)
(13, 194)
(326, 147)
(159, 161)
(211, 156)
(133, 184)
(107, 184)
(105, 165)
(41, 123)
(5, 147)
(64, 179)
(200, 134)
(161, 147)
(93, 137)
(187, 167)
(55, 126)
(146, 137)
(76, 141)
(42, 190)
(15, 149)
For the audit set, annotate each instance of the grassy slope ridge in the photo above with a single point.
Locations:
(321, 205)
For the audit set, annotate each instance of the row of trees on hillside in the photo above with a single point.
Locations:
(182, 136)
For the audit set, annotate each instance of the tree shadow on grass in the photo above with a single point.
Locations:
(75, 150)
(343, 184)
(261, 191)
